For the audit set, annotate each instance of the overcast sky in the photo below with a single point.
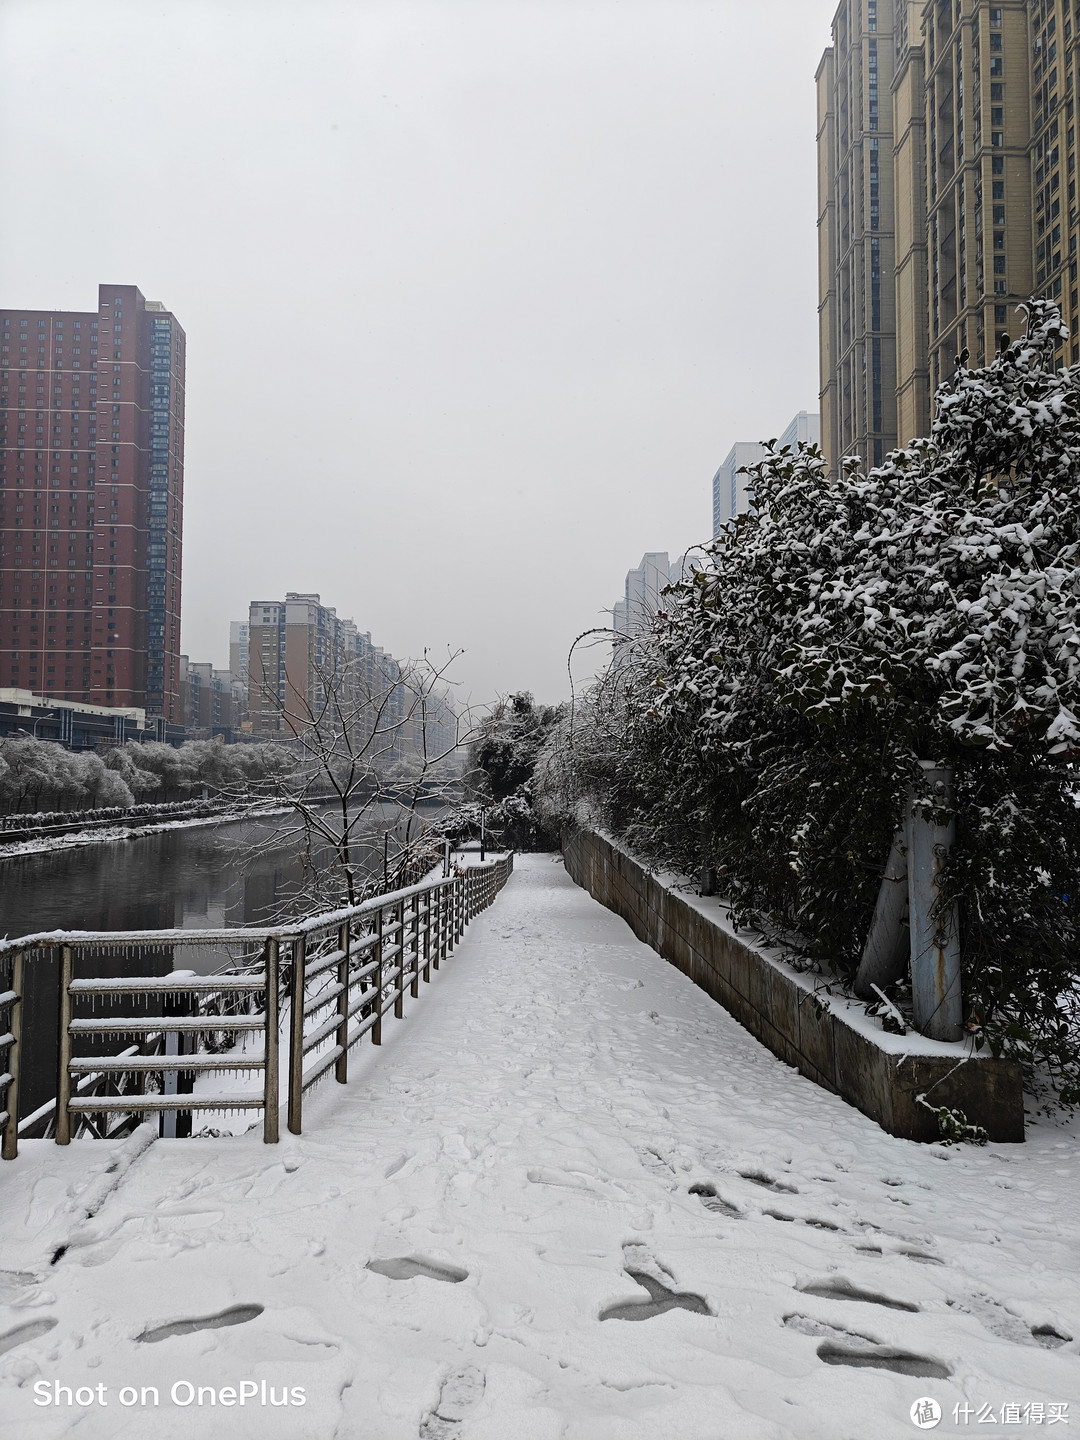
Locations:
(477, 295)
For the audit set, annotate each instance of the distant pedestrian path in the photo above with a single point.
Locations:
(571, 1198)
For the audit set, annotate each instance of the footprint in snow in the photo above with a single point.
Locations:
(409, 1267)
(921, 1257)
(993, 1316)
(661, 1299)
(23, 1333)
(821, 1330)
(841, 1289)
(758, 1177)
(1049, 1338)
(461, 1392)
(882, 1357)
(706, 1193)
(235, 1315)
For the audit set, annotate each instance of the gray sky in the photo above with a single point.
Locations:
(477, 295)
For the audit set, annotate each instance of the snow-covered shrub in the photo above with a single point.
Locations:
(501, 763)
(41, 775)
(853, 625)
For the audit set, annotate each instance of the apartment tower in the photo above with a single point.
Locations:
(980, 204)
(856, 241)
(91, 502)
(298, 650)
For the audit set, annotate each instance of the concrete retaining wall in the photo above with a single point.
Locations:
(779, 1007)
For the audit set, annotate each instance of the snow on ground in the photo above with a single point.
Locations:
(433, 1256)
(76, 839)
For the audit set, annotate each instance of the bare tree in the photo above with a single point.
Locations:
(373, 744)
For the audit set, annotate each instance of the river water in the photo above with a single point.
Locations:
(201, 877)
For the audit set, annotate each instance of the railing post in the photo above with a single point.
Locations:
(63, 1060)
(271, 1091)
(9, 1148)
(296, 1034)
(427, 937)
(414, 987)
(341, 1065)
(376, 1029)
(399, 986)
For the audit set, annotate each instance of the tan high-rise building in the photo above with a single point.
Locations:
(301, 657)
(979, 210)
(310, 669)
(856, 243)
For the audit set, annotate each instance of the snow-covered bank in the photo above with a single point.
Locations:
(108, 833)
(433, 1255)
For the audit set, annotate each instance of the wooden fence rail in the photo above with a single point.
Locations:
(313, 988)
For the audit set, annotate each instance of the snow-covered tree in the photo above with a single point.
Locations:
(502, 761)
(854, 624)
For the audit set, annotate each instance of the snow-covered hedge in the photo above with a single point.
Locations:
(849, 627)
(51, 819)
(39, 775)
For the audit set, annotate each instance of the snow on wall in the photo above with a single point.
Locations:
(823, 1036)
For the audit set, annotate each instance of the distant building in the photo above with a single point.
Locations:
(296, 648)
(308, 666)
(643, 598)
(643, 587)
(238, 650)
(79, 726)
(684, 566)
(805, 429)
(91, 502)
(729, 485)
(214, 701)
(729, 493)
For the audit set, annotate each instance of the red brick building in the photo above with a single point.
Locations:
(91, 502)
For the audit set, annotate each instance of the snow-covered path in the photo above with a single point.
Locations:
(433, 1256)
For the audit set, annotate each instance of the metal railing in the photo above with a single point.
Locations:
(304, 994)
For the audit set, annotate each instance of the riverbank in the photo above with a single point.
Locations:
(106, 834)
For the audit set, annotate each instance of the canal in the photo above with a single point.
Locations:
(198, 877)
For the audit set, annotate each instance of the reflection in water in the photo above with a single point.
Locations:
(204, 877)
